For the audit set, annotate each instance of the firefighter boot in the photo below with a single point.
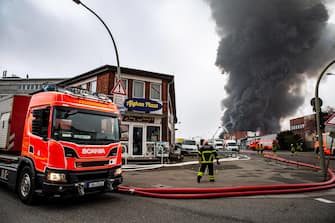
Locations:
(198, 179)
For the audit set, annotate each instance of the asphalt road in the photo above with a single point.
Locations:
(129, 208)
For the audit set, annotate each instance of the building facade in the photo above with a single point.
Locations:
(148, 111)
(305, 127)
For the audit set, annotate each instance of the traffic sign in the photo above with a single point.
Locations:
(331, 120)
(119, 88)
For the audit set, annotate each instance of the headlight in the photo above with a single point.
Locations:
(56, 177)
(117, 172)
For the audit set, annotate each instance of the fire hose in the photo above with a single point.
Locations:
(198, 193)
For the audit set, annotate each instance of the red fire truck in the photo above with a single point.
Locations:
(265, 141)
(58, 142)
(328, 144)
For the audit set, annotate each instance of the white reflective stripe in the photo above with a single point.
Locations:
(11, 145)
(12, 137)
(324, 200)
(11, 141)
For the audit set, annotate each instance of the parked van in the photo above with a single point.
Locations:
(187, 146)
(231, 145)
(218, 144)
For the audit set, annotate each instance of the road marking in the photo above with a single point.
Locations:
(324, 200)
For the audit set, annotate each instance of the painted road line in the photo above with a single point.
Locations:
(324, 200)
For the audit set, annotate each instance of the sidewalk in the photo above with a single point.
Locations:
(256, 171)
(308, 157)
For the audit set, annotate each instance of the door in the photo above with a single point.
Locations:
(38, 139)
(138, 141)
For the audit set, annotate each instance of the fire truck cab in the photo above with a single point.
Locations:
(59, 142)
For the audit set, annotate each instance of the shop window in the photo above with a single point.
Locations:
(155, 91)
(153, 134)
(138, 89)
(124, 132)
(83, 86)
(150, 149)
(125, 150)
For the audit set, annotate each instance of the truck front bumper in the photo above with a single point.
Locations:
(81, 183)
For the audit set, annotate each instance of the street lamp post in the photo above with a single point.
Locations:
(118, 71)
(317, 110)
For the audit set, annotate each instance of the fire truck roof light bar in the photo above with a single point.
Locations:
(76, 92)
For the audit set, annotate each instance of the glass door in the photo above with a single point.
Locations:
(138, 141)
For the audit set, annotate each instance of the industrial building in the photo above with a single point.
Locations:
(14, 84)
(305, 127)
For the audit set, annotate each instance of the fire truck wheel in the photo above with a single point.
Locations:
(26, 186)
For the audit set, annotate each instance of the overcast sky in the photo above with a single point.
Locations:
(58, 38)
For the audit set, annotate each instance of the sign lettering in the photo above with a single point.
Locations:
(140, 104)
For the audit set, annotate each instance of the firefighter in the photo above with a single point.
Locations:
(257, 148)
(316, 147)
(207, 153)
(299, 147)
(292, 149)
(262, 149)
(275, 147)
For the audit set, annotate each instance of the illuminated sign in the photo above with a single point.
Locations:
(141, 104)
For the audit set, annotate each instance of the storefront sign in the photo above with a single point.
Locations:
(141, 104)
(127, 118)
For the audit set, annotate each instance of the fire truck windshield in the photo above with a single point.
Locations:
(83, 126)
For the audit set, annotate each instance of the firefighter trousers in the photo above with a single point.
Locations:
(210, 170)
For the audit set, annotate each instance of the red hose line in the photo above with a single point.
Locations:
(198, 193)
(230, 189)
(232, 194)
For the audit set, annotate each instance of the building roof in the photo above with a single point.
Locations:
(18, 79)
(110, 68)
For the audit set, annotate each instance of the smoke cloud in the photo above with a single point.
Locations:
(268, 48)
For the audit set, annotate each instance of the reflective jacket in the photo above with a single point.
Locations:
(207, 153)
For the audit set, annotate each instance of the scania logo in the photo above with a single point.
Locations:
(93, 151)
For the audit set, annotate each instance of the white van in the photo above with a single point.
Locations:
(231, 145)
(218, 144)
(187, 146)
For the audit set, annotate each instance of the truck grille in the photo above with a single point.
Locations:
(90, 175)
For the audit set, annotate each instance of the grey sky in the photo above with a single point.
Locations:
(57, 38)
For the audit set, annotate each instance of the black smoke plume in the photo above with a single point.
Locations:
(268, 48)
